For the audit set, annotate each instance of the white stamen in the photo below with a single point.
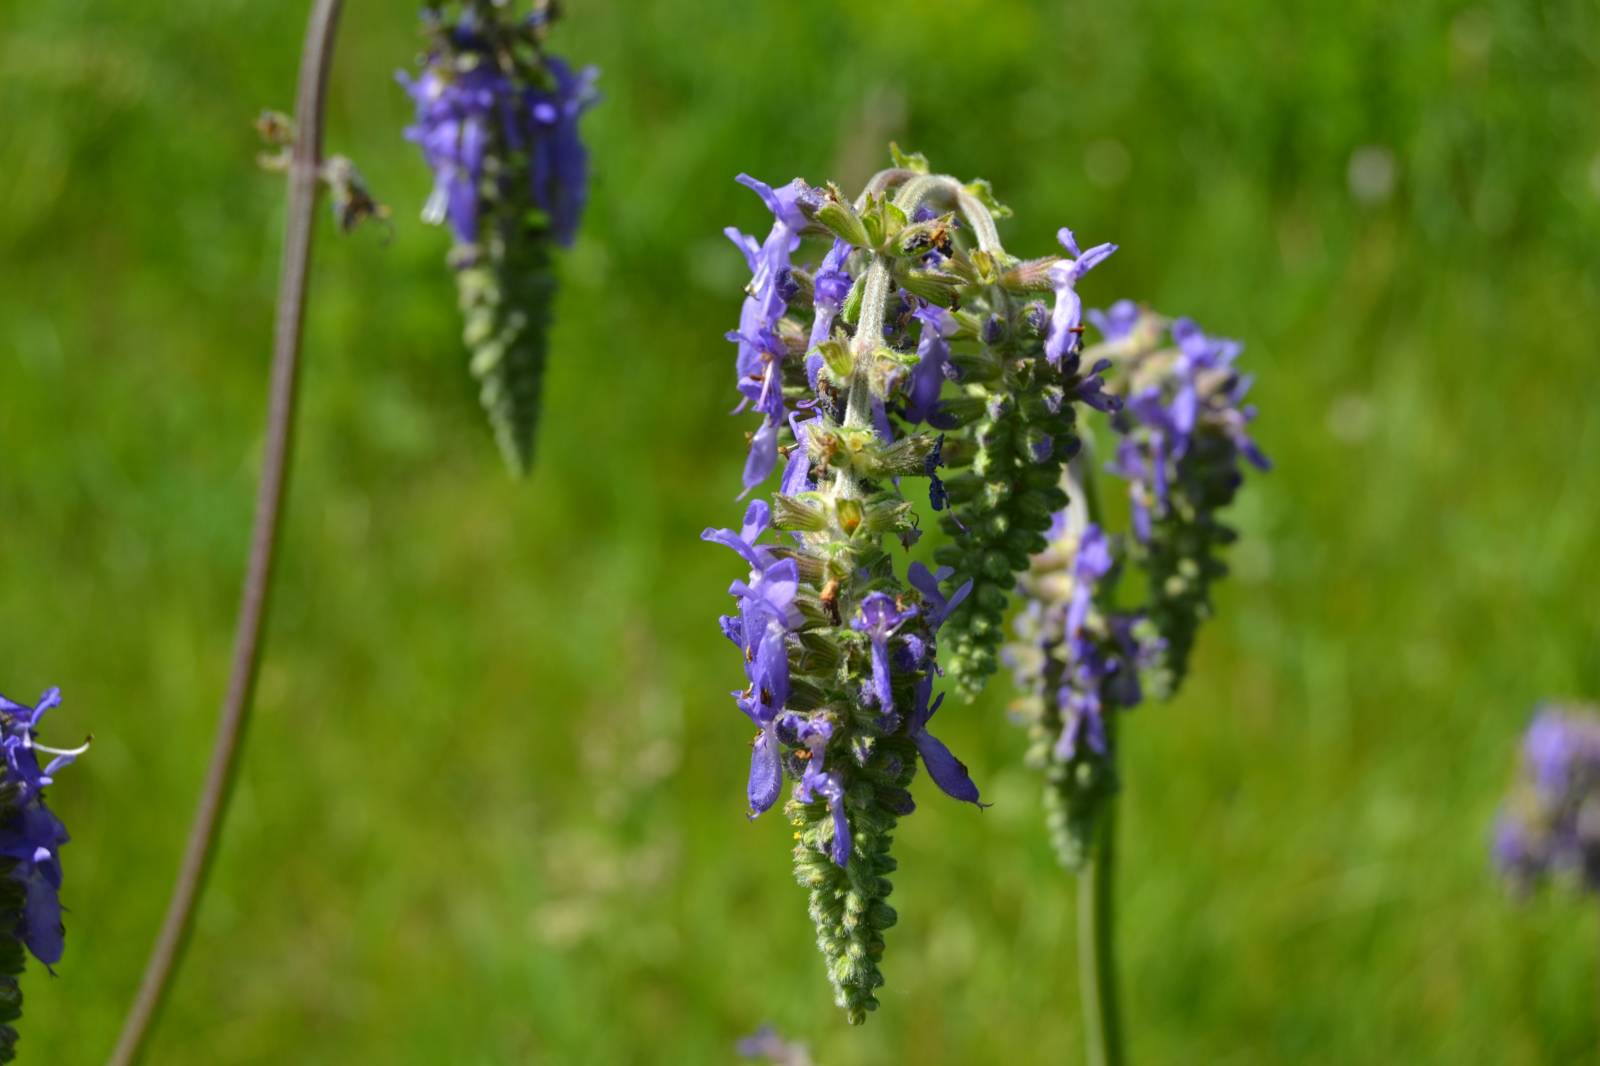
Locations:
(65, 751)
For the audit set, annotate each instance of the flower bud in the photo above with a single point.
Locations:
(840, 217)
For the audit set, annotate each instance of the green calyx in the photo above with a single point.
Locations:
(848, 905)
(1182, 557)
(1002, 504)
(505, 292)
(1077, 790)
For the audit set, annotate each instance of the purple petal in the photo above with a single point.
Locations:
(763, 456)
(842, 843)
(766, 774)
(947, 771)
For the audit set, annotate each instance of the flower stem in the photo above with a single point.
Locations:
(1097, 967)
(881, 182)
(1097, 961)
(304, 166)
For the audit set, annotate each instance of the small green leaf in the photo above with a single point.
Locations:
(908, 160)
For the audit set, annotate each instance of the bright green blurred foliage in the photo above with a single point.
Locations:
(493, 803)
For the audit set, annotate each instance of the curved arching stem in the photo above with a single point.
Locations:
(304, 166)
(880, 183)
(924, 186)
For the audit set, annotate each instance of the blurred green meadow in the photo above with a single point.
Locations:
(492, 807)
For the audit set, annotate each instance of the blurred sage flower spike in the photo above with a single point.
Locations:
(900, 353)
(1182, 445)
(497, 121)
(1549, 826)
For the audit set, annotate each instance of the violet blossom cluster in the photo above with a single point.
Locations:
(497, 122)
(31, 837)
(1175, 414)
(1182, 445)
(912, 348)
(1024, 389)
(1075, 663)
(1549, 826)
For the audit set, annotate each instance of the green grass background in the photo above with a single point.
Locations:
(492, 808)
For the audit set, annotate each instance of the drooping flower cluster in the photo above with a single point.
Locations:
(30, 862)
(1182, 445)
(1180, 430)
(497, 121)
(909, 348)
(1024, 387)
(1549, 826)
(1075, 662)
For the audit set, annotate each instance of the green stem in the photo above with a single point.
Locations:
(1097, 963)
(880, 182)
(1097, 958)
(869, 335)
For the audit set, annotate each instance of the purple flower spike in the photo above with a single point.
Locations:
(769, 1045)
(938, 495)
(947, 771)
(468, 108)
(763, 455)
(768, 615)
(1067, 318)
(784, 202)
(878, 618)
(30, 834)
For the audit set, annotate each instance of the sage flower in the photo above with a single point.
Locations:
(838, 640)
(497, 123)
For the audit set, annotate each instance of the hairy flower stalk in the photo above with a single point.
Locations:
(30, 862)
(840, 650)
(497, 121)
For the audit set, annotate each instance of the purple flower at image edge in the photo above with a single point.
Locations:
(32, 836)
